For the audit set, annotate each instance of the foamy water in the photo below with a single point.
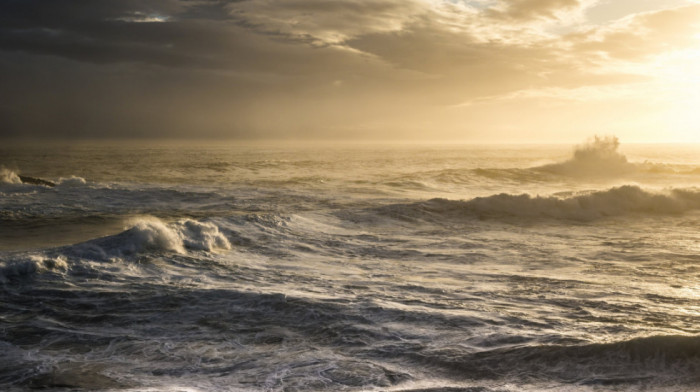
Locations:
(355, 268)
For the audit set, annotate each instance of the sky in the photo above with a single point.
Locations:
(427, 70)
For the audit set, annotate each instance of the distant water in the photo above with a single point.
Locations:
(350, 268)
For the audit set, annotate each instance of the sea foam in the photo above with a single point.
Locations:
(31, 265)
(71, 181)
(149, 234)
(8, 176)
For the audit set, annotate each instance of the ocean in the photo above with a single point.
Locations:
(175, 266)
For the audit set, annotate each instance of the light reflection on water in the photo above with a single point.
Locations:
(350, 268)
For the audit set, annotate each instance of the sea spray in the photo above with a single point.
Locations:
(8, 176)
(510, 279)
(149, 234)
(71, 181)
(597, 158)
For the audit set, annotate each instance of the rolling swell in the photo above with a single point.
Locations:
(331, 344)
(618, 201)
(663, 359)
(329, 285)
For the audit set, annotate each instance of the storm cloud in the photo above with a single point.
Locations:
(304, 68)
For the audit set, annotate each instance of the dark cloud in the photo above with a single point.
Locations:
(322, 22)
(90, 69)
(110, 31)
(265, 68)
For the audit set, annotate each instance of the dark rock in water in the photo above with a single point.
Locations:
(35, 181)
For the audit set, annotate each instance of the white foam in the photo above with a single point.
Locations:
(149, 234)
(8, 176)
(599, 157)
(152, 234)
(201, 235)
(30, 265)
(71, 181)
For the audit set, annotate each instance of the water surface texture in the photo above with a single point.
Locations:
(354, 268)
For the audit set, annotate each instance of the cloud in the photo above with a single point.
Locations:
(186, 36)
(525, 10)
(323, 22)
(559, 96)
(642, 35)
(307, 67)
(140, 17)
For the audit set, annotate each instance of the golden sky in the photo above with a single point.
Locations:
(466, 70)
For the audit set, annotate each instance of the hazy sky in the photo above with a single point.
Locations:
(470, 70)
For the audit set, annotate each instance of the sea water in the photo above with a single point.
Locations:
(350, 267)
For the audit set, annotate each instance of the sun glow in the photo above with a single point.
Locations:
(683, 86)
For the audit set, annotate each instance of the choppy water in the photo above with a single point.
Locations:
(302, 268)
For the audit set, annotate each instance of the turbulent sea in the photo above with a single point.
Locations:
(179, 267)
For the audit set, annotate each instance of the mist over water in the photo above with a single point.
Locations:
(354, 268)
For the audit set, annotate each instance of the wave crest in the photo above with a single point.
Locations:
(617, 201)
(202, 236)
(150, 234)
(8, 176)
(30, 266)
(71, 181)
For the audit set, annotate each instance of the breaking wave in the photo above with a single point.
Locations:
(8, 176)
(599, 157)
(617, 201)
(31, 265)
(153, 235)
(71, 181)
(146, 235)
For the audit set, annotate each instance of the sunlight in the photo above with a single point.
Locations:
(684, 81)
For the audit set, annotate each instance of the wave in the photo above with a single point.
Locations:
(150, 234)
(146, 235)
(659, 359)
(435, 180)
(617, 201)
(71, 181)
(8, 176)
(31, 265)
(599, 157)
